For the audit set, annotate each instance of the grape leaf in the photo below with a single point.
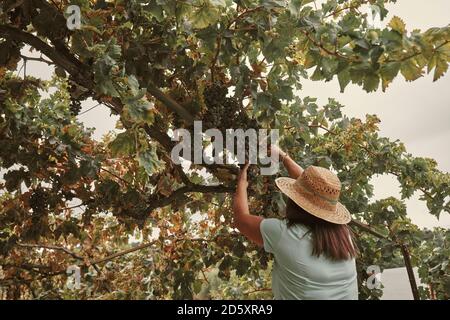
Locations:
(398, 25)
(410, 70)
(123, 144)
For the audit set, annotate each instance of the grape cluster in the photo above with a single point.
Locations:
(39, 201)
(75, 104)
(77, 94)
(215, 97)
(252, 173)
(75, 107)
(224, 112)
(246, 122)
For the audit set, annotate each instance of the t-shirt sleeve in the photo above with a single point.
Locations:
(271, 230)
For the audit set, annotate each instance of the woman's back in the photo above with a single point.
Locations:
(297, 273)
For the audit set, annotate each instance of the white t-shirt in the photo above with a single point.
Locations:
(297, 274)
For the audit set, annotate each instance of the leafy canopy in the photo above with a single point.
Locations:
(69, 199)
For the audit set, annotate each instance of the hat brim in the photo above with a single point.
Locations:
(340, 216)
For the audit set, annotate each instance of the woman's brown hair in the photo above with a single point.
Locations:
(335, 241)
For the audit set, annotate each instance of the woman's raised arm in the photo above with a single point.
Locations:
(292, 167)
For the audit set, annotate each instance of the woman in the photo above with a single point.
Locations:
(314, 252)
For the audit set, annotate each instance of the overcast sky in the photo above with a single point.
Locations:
(417, 113)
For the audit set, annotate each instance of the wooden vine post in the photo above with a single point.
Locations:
(409, 269)
(403, 248)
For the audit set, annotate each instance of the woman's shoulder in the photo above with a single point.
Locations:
(275, 223)
(273, 226)
(274, 230)
(281, 225)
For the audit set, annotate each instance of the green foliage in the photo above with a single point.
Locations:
(433, 254)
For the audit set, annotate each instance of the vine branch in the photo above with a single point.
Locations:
(50, 247)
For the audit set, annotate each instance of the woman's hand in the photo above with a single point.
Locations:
(291, 166)
(242, 178)
(276, 151)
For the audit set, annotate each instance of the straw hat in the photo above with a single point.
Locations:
(317, 191)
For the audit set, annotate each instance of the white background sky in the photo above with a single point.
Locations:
(417, 113)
